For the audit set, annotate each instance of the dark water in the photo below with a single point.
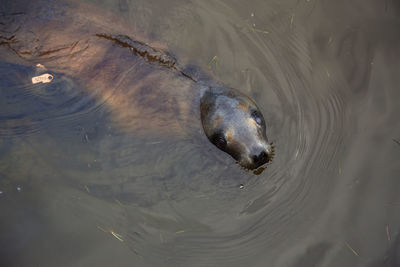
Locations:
(77, 192)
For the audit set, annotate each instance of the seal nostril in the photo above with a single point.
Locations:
(261, 158)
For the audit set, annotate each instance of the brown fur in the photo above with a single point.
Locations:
(243, 106)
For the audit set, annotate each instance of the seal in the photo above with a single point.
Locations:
(141, 85)
(233, 122)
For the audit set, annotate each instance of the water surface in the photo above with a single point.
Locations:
(75, 191)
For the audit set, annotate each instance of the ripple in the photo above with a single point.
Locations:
(27, 108)
(305, 123)
(179, 201)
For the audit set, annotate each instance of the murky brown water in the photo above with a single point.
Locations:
(76, 192)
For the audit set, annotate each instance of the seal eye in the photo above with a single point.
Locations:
(256, 115)
(220, 141)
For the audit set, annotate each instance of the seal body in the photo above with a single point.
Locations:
(139, 83)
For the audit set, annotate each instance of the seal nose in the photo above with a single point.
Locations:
(260, 159)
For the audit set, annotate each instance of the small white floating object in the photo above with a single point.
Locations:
(44, 78)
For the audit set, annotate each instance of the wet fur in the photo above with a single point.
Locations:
(143, 97)
(138, 83)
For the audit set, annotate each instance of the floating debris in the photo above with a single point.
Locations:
(87, 188)
(214, 60)
(19, 188)
(44, 78)
(182, 231)
(330, 40)
(241, 186)
(388, 233)
(111, 231)
(117, 236)
(351, 249)
(327, 72)
(201, 196)
(251, 28)
(258, 30)
(119, 202)
(291, 20)
(154, 143)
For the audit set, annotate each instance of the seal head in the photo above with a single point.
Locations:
(234, 123)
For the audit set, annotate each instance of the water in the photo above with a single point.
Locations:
(76, 191)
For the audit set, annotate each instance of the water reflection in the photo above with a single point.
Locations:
(324, 75)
